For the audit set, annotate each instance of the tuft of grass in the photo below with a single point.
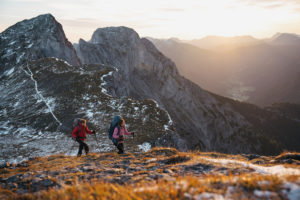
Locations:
(6, 194)
(288, 155)
(161, 151)
(176, 159)
(251, 182)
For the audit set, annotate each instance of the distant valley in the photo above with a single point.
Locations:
(261, 72)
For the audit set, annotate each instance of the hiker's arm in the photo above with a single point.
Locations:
(115, 134)
(126, 132)
(88, 130)
(74, 132)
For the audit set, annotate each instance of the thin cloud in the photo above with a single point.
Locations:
(97, 23)
(86, 22)
(271, 3)
(172, 9)
(157, 19)
(274, 6)
(292, 5)
(297, 10)
(25, 1)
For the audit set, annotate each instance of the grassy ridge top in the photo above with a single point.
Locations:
(162, 173)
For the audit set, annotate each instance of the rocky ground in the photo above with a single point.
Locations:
(162, 173)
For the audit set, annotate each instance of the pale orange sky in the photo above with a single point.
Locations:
(188, 19)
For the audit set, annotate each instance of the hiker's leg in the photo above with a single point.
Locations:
(86, 148)
(80, 147)
(120, 148)
(117, 145)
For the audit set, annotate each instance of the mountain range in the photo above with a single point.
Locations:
(261, 72)
(46, 82)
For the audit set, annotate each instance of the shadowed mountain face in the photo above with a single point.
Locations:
(40, 98)
(260, 72)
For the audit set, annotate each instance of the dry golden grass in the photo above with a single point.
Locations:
(162, 173)
(180, 188)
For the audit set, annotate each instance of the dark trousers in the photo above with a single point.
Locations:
(120, 147)
(81, 146)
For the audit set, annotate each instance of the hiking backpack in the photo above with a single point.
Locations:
(76, 123)
(115, 123)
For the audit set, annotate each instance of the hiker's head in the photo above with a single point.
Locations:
(83, 122)
(122, 122)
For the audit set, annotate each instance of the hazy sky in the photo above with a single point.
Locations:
(185, 19)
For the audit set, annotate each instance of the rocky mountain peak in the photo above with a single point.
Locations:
(35, 38)
(122, 47)
(41, 24)
(36, 23)
(120, 35)
(285, 39)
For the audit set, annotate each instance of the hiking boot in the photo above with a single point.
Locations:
(120, 152)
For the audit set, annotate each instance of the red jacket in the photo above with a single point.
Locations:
(82, 133)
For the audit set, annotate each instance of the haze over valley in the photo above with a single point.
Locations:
(261, 72)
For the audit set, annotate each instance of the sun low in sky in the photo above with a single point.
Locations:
(184, 19)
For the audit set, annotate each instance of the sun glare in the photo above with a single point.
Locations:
(237, 19)
(187, 19)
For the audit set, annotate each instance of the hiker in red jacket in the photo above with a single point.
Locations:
(79, 134)
(119, 133)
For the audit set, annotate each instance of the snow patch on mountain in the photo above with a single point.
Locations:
(8, 53)
(20, 57)
(145, 147)
(61, 60)
(9, 72)
(6, 128)
(104, 83)
(47, 101)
